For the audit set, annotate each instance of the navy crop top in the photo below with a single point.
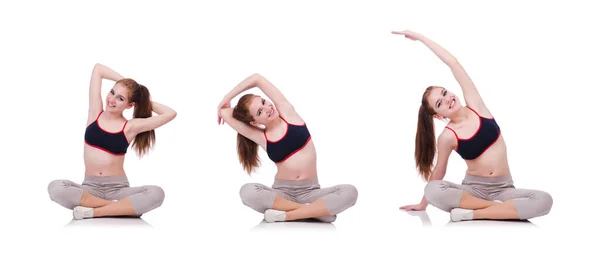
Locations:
(486, 135)
(294, 139)
(112, 142)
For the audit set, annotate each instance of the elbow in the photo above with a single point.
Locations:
(96, 69)
(257, 76)
(98, 66)
(452, 62)
(226, 112)
(169, 114)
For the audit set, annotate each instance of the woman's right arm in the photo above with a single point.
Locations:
(470, 92)
(165, 115)
(256, 80)
(446, 143)
(246, 130)
(95, 103)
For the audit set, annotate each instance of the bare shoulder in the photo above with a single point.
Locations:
(446, 140)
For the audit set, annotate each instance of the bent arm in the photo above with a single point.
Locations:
(164, 113)
(95, 99)
(265, 86)
(244, 129)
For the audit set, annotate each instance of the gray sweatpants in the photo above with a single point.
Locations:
(529, 203)
(336, 198)
(143, 198)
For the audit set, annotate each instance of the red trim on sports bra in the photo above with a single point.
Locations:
(110, 132)
(303, 124)
(473, 111)
(455, 148)
(97, 147)
(480, 115)
(476, 131)
(284, 134)
(286, 130)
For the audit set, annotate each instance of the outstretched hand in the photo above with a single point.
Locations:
(408, 34)
(414, 207)
(224, 104)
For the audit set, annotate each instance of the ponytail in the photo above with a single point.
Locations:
(425, 146)
(143, 109)
(247, 153)
(140, 95)
(247, 149)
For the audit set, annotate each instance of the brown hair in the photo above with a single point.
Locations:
(140, 95)
(247, 149)
(425, 138)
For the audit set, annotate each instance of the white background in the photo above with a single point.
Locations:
(356, 85)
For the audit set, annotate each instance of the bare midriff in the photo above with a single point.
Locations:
(302, 165)
(101, 163)
(492, 163)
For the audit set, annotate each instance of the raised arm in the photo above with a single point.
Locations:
(470, 93)
(246, 130)
(164, 113)
(95, 102)
(265, 86)
(445, 145)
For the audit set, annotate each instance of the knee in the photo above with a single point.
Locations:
(253, 196)
(435, 195)
(433, 191)
(350, 192)
(57, 190)
(249, 192)
(534, 204)
(545, 202)
(155, 194)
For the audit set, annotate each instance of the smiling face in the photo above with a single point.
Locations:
(117, 99)
(443, 102)
(262, 110)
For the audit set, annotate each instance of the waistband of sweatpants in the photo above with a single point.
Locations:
(482, 179)
(106, 179)
(295, 183)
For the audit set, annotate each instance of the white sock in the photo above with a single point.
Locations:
(81, 212)
(272, 215)
(458, 214)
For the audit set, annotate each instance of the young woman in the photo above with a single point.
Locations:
(105, 190)
(283, 134)
(487, 191)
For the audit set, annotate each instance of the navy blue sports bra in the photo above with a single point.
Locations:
(112, 142)
(486, 135)
(294, 139)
